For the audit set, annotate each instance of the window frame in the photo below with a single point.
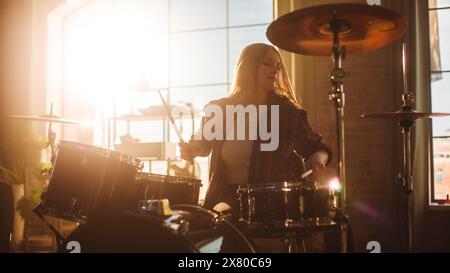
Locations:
(110, 138)
(432, 201)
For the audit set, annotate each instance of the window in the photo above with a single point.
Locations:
(439, 16)
(117, 53)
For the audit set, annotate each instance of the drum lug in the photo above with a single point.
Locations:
(251, 209)
(184, 227)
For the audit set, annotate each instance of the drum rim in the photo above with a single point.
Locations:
(312, 222)
(167, 178)
(281, 186)
(104, 152)
(269, 186)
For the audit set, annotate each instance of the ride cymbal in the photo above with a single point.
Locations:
(363, 28)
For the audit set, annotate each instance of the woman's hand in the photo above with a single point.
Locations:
(317, 161)
(186, 152)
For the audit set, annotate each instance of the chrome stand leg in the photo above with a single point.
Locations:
(294, 244)
(343, 237)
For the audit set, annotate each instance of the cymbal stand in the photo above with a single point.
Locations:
(39, 210)
(337, 95)
(406, 176)
(51, 138)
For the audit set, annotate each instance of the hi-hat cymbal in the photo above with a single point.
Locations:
(50, 118)
(364, 28)
(404, 115)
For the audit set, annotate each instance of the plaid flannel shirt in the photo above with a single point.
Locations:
(296, 137)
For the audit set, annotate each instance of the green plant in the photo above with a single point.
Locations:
(19, 161)
(25, 205)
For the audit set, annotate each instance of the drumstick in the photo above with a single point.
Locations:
(306, 174)
(172, 121)
(177, 131)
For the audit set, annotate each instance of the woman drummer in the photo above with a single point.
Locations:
(260, 80)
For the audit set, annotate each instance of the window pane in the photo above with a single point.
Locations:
(152, 55)
(438, 3)
(440, 94)
(147, 131)
(151, 15)
(141, 101)
(87, 54)
(198, 58)
(440, 47)
(440, 98)
(112, 47)
(441, 161)
(241, 37)
(197, 14)
(250, 12)
(198, 97)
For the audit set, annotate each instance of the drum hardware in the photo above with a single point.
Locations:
(284, 206)
(51, 135)
(40, 210)
(51, 118)
(292, 244)
(177, 189)
(155, 206)
(406, 117)
(347, 28)
(161, 207)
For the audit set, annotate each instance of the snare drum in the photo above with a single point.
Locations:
(88, 180)
(285, 205)
(177, 189)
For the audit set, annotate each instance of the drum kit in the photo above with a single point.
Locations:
(122, 209)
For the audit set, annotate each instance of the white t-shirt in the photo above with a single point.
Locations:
(236, 156)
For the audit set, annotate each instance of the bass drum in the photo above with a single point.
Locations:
(188, 229)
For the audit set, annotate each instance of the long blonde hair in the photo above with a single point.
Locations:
(246, 69)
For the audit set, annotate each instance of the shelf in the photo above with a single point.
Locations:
(158, 112)
(154, 150)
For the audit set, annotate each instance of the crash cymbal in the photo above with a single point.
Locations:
(404, 115)
(50, 118)
(363, 28)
